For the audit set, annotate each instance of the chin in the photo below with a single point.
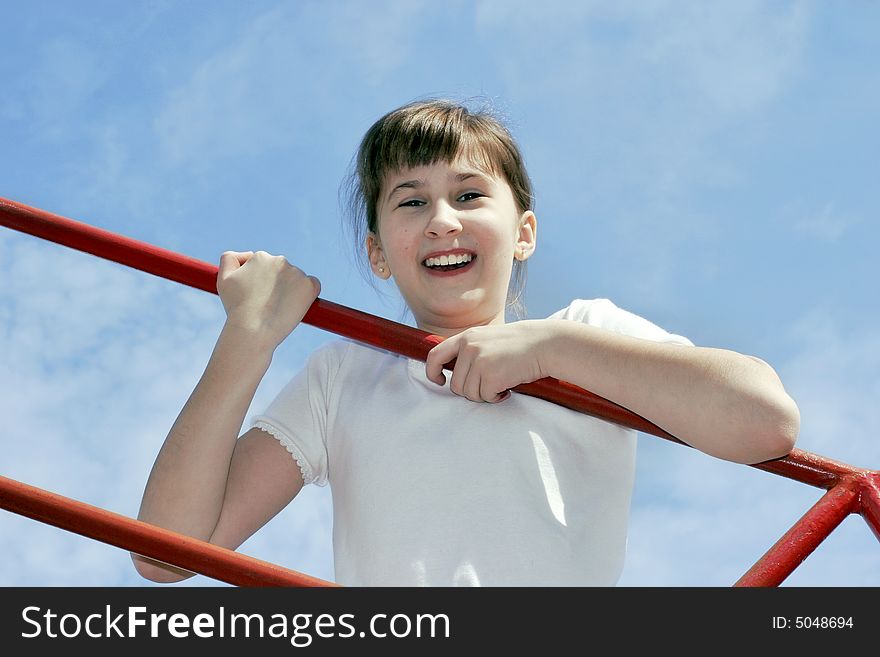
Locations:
(462, 314)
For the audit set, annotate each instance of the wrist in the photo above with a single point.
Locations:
(248, 341)
(554, 347)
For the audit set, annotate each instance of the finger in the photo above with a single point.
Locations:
(228, 263)
(473, 385)
(437, 358)
(459, 377)
(492, 396)
(317, 284)
(232, 260)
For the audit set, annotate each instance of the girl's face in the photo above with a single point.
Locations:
(448, 234)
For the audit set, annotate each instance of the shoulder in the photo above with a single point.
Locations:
(328, 355)
(345, 354)
(604, 313)
(588, 311)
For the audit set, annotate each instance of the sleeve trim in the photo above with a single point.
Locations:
(293, 449)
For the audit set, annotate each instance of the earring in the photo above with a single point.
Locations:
(381, 269)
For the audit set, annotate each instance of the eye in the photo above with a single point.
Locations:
(411, 203)
(473, 195)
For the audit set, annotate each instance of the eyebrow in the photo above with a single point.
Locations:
(416, 183)
(461, 177)
(409, 184)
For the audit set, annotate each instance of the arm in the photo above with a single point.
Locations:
(203, 470)
(206, 482)
(723, 403)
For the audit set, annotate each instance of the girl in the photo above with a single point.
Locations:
(440, 482)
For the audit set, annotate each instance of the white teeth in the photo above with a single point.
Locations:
(449, 260)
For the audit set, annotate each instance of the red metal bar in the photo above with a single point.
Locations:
(804, 536)
(870, 502)
(810, 468)
(146, 539)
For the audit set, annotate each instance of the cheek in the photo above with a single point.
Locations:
(402, 245)
(503, 244)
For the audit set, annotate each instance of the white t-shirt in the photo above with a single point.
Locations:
(432, 489)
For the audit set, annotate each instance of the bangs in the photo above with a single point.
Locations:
(432, 134)
(441, 139)
(425, 133)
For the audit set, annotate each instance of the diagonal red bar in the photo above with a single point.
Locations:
(804, 536)
(376, 331)
(870, 502)
(146, 539)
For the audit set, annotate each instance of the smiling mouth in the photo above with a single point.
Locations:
(449, 262)
(447, 265)
(450, 267)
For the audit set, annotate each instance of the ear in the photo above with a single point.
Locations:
(377, 257)
(526, 239)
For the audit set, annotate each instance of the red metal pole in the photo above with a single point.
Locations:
(804, 536)
(813, 469)
(146, 539)
(870, 502)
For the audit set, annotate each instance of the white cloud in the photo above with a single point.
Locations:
(260, 92)
(834, 378)
(238, 100)
(827, 225)
(645, 90)
(730, 56)
(738, 54)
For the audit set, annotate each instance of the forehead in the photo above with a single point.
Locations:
(457, 168)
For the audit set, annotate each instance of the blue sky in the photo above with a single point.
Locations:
(710, 166)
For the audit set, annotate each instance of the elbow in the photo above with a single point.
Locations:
(777, 435)
(158, 572)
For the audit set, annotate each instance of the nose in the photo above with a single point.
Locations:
(443, 221)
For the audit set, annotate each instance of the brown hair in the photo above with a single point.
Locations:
(423, 133)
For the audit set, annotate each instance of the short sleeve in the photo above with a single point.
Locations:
(604, 314)
(298, 416)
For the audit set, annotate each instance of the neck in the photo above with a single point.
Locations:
(447, 329)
